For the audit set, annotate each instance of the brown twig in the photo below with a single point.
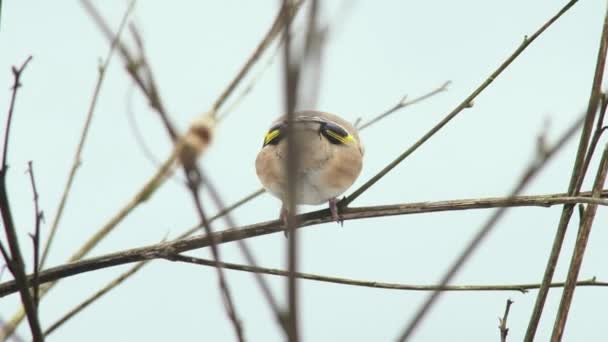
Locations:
(194, 182)
(74, 311)
(85, 130)
(249, 257)
(579, 251)
(124, 276)
(531, 171)
(522, 288)
(404, 103)
(290, 90)
(304, 220)
(463, 105)
(132, 66)
(576, 181)
(283, 18)
(202, 135)
(38, 216)
(502, 327)
(17, 266)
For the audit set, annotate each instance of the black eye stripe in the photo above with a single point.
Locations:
(334, 133)
(334, 128)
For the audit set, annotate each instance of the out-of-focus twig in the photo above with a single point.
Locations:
(85, 130)
(579, 251)
(133, 270)
(283, 18)
(463, 105)
(531, 171)
(576, 181)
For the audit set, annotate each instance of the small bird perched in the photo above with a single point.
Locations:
(330, 157)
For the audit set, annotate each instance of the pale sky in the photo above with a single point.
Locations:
(377, 52)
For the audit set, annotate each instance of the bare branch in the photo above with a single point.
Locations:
(124, 276)
(504, 331)
(16, 264)
(38, 215)
(463, 105)
(531, 171)
(308, 219)
(576, 181)
(85, 130)
(522, 288)
(579, 251)
(194, 181)
(283, 18)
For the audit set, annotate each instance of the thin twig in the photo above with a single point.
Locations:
(404, 103)
(38, 215)
(143, 195)
(17, 265)
(463, 105)
(133, 65)
(74, 311)
(522, 288)
(304, 220)
(192, 173)
(283, 18)
(504, 331)
(579, 251)
(249, 87)
(133, 270)
(85, 130)
(246, 252)
(576, 181)
(194, 181)
(531, 171)
(148, 83)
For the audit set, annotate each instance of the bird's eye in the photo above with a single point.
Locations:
(335, 134)
(274, 135)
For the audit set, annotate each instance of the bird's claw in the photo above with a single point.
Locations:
(333, 207)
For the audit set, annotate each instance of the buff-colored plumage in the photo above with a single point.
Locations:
(326, 170)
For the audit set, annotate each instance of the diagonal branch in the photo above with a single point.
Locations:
(468, 102)
(576, 181)
(118, 280)
(85, 130)
(404, 103)
(531, 171)
(579, 251)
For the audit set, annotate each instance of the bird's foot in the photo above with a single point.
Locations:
(284, 216)
(333, 207)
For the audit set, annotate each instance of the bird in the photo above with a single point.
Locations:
(330, 158)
